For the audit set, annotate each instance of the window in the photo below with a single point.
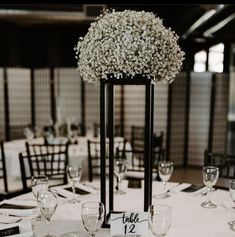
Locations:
(200, 61)
(216, 58)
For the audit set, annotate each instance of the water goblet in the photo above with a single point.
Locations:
(47, 202)
(159, 218)
(210, 177)
(74, 175)
(39, 183)
(28, 134)
(92, 216)
(232, 195)
(120, 167)
(165, 169)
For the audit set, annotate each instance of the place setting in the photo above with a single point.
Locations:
(16, 216)
(74, 190)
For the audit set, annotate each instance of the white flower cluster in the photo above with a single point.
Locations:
(126, 44)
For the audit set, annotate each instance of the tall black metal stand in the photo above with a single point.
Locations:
(149, 112)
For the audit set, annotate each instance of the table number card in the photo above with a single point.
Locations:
(129, 223)
(10, 231)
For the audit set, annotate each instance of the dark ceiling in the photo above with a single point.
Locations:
(31, 28)
(180, 17)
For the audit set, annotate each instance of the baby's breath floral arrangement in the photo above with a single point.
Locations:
(126, 44)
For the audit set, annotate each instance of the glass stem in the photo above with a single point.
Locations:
(47, 224)
(118, 183)
(74, 192)
(164, 187)
(209, 194)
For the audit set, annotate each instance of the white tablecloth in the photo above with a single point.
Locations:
(188, 219)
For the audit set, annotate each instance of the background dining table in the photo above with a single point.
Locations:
(78, 153)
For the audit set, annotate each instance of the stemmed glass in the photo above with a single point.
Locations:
(75, 131)
(47, 202)
(28, 134)
(39, 183)
(159, 218)
(92, 216)
(165, 169)
(232, 195)
(210, 177)
(120, 167)
(74, 175)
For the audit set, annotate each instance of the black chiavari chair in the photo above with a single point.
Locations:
(47, 159)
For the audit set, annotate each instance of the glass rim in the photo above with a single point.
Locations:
(92, 202)
(74, 167)
(165, 162)
(210, 167)
(164, 206)
(41, 176)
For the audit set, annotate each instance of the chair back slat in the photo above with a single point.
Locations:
(3, 167)
(137, 163)
(225, 163)
(138, 141)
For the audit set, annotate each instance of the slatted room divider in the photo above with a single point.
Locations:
(192, 111)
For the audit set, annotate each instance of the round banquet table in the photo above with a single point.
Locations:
(188, 217)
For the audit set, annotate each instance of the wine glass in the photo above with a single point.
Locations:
(165, 169)
(92, 216)
(210, 177)
(75, 132)
(74, 175)
(120, 167)
(47, 202)
(159, 218)
(39, 183)
(232, 195)
(28, 134)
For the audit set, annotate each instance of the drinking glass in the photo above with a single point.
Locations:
(92, 216)
(39, 183)
(120, 167)
(165, 169)
(159, 218)
(74, 175)
(232, 195)
(74, 132)
(210, 177)
(47, 202)
(28, 134)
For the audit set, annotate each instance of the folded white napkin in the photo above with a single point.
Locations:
(67, 194)
(137, 175)
(17, 211)
(228, 205)
(179, 189)
(25, 228)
